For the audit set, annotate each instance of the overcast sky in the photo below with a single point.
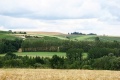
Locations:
(86, 16)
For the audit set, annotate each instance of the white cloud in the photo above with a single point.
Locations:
(98, 16)
(2, 28)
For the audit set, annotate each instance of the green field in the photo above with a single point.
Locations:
(41, 54)
(45, 54)
(92, 38)
(6, 36)
(109, 38)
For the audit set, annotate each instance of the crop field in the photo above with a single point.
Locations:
(43, 33)
(58, 74)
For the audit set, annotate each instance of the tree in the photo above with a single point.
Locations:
(57, 62)
(98, 52)
(97, 39)
(2, 47)
(74, 55)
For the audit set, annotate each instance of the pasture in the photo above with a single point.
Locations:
(6, 36)
(58, 74)
(45, 54)
(41, 54)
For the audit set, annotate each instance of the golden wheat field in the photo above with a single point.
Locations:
(58, 74)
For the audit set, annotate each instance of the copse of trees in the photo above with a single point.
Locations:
(9, 45)
(98, 52)
(19, 32)
(79, 33)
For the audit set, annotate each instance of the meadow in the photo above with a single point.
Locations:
(6, 36)
(44, 54)
(41, 54)
(58, 74)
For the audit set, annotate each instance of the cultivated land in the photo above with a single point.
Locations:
(58, 74)
(60, 36)
(74, 37)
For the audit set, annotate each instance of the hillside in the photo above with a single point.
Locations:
(59, 35)
(43, 33)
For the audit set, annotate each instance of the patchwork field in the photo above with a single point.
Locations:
(58, 74)
(61, 36)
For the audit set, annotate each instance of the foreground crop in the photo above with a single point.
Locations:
(58, 74)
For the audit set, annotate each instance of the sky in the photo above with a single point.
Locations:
(66, 16)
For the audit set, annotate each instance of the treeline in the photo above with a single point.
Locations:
(79, 33)
(19, 32)
(73, 60)
(7, 45)
(6, 32)
(31, 45)
(47, 44)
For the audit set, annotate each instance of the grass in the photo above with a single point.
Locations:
(42, 54)
(109, 38)
(82, 37)
(92, 38)
(58, 74)
(6, 36)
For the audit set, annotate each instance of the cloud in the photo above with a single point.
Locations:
(2, 28)
(50, 9)
(97, 16)
(57, 9)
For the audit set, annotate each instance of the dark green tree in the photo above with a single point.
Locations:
(57, 62)
(74, 55)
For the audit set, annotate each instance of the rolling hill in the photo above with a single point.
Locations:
(60, 36)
